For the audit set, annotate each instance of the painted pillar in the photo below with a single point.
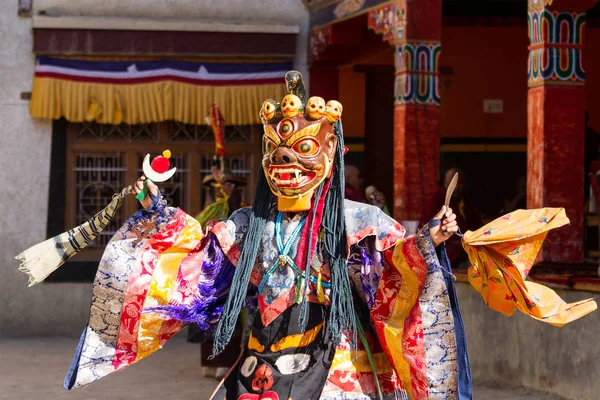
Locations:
(414, 28)
(555, 122)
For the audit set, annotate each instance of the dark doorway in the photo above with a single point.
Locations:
(379, 128)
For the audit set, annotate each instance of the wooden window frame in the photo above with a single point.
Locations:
(194, 152)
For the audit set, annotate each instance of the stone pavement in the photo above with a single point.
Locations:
(34, 368)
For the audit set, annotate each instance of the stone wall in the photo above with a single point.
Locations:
(520, 351)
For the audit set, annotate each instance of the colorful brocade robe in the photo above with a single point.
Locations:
(404, 297)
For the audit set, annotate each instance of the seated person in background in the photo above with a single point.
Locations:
(354, 184)
(376, 198)
(467, 216)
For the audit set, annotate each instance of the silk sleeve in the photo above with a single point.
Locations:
(413, 318)
(159, 271)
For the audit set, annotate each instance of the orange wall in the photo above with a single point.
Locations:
(352, 97)
(486, 63)
(352, 84)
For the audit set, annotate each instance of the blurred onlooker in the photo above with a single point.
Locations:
(228, 198)
(592, 141)
(519, 201)
(467, 216)
(376, 198)
(226, 193)
(353, 184)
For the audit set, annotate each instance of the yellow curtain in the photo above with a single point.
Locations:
(148, 102)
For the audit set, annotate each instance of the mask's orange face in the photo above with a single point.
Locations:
(298, 155)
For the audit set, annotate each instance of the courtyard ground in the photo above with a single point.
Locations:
(34, 368)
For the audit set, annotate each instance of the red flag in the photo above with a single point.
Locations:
(217, 123)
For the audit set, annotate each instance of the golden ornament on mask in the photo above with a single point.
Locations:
(334, 110)
(268, 109)
(315, 107)
(290, 106)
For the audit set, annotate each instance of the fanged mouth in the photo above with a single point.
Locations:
(290, 176)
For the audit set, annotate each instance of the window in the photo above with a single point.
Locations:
(102, 159)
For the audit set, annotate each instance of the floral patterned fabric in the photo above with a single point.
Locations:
(502, 254)
(107, 343)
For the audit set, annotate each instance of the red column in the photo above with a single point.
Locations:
(555, 123)
(414, 28)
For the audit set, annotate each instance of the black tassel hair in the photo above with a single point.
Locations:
(341, 311)
(263, 199)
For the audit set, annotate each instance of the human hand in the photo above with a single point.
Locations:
(446, 228)
(138, 187)
(375, 197)
(378, 199)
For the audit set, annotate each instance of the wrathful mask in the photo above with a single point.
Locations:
(299, 147)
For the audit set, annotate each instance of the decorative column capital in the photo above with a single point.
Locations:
(572, 5)
(417, 73)
(389, 21)
(556, 45)
(417, 49)
(319, 39)
(539, 4)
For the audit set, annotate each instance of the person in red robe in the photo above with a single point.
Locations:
(354, 183)
(467, 215)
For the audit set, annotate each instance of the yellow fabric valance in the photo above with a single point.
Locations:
(138, 92)
(149, 102)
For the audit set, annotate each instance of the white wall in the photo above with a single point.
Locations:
(275, 11)
(62, 309)
(24, 171)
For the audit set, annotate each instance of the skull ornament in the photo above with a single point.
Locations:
(290, 105)
(334, 110)
(267, 112)
(315, 107)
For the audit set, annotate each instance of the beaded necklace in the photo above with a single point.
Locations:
(284, 250)
(285, 259)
